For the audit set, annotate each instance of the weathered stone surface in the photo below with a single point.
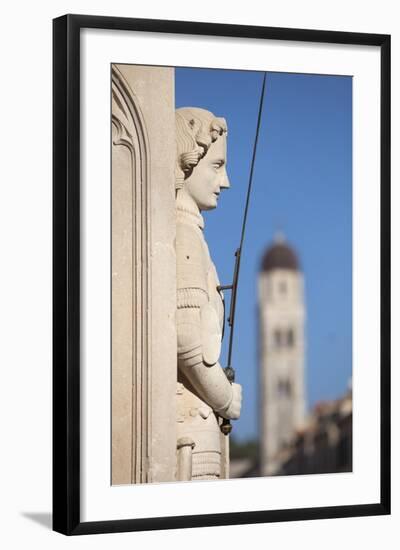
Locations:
(204, 393)
(144, 367)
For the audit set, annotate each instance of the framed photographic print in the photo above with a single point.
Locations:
(221, 274)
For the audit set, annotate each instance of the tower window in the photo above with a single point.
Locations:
(284, 338)
(290, 337)
(278, 338)
(284, 388)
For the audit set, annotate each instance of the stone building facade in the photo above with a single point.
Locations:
(325, 443)
(143, 275)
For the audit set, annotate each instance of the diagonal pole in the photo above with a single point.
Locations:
(226, 427)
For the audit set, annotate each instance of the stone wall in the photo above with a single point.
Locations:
(143, 275)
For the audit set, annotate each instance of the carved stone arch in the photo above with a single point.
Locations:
(131, 308)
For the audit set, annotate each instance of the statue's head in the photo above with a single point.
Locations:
(201, 155)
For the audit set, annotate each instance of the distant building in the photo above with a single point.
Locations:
(325, 443)
(290, 442)
(282, 315)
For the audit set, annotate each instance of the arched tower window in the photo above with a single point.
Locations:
(284, 388)
(283, 338)
(278, 338)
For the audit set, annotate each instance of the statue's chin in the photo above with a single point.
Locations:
(209, 206)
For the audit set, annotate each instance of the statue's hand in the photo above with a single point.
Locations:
(232, 412)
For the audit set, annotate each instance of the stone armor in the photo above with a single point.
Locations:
(204, 392)
(200, 319)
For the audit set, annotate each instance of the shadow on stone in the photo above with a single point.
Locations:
(43, 518)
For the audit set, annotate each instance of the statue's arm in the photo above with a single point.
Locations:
(198, 328)
(198, 354)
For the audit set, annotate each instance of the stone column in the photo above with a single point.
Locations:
(144, 351)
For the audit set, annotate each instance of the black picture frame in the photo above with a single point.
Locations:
(66, 273)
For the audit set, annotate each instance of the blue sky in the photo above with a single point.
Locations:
(302, 186)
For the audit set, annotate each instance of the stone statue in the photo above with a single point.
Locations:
(205, 395)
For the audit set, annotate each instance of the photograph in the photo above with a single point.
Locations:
(251, 275)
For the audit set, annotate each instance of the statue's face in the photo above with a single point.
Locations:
(209, 176)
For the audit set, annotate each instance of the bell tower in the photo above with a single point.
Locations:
(281, 351)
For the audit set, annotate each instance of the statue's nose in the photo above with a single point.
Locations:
(225, 184)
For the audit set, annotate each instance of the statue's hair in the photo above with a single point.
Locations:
(196, 130)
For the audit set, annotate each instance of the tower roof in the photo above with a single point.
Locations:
(280, 256)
